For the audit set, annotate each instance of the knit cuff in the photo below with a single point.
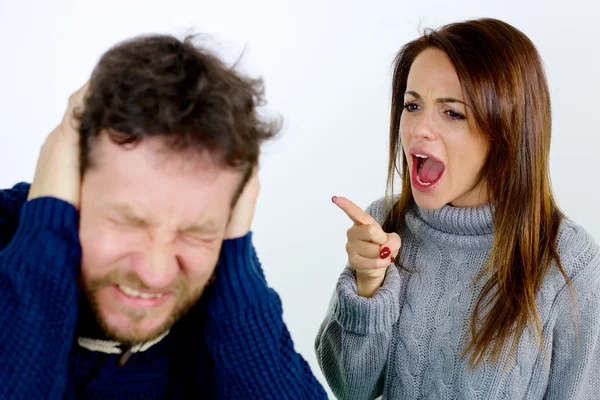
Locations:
(367, 316)
(49, 213)
(240, 280)
(44, 225)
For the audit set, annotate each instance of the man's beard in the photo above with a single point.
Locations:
(184, 297)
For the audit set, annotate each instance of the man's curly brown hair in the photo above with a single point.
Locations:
(160, 86)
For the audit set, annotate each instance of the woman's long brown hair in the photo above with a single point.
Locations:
(503, 79)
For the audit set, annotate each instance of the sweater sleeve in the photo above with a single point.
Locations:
(575, 365)
(253, 352)
(38, 269)
(353, 341)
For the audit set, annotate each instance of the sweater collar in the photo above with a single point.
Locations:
(454, 227)
(90, 335)
(458, 221)
(113, 347)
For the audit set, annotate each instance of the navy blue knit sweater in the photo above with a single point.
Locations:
(232, 345)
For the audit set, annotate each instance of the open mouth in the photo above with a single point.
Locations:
(135, 299)
(426, 171)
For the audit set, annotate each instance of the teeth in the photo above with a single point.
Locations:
(419, 165)
(423, 183)
(134, 293)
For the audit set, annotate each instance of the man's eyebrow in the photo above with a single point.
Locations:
(126, 211)
(209, 226)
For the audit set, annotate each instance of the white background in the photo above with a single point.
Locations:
(327, 67)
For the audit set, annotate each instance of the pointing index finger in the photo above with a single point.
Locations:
(354, 212)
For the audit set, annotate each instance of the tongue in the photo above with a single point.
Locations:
(430, 171)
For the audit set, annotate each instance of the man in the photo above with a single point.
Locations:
(126, 268)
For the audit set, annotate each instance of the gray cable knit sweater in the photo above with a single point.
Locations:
(406, 342)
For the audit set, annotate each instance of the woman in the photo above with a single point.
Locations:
(494, 294)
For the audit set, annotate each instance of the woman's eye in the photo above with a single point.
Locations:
(410, 107)
(454, 115)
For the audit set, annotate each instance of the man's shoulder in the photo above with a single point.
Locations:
(11, 202)
(18, 192)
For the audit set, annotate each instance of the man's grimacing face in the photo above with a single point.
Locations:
(151, 228)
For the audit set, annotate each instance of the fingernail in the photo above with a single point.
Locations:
(393, 259)
(333, 198)
(385, 253)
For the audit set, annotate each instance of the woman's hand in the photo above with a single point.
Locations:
(370, 249)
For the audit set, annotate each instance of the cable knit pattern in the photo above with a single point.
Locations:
(407, 341)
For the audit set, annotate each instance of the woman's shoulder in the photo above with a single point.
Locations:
(577, 249)
(580, 258)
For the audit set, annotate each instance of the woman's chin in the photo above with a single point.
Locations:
(428, 201)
